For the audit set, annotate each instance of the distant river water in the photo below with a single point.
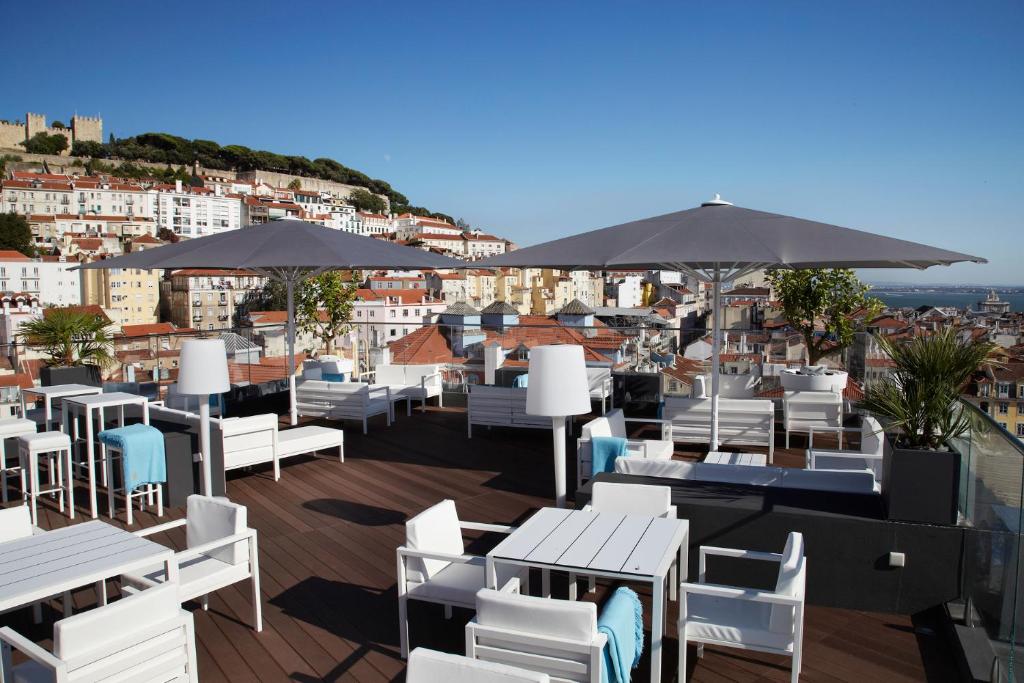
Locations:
(957, 299)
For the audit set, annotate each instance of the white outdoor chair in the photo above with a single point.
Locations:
(630, 499)
(746, 618)
(556, 637)
(431, 666)
(807, 411)
(614, 424)
(869, 457)
(144, 637)
(220, 550)
(433, 565)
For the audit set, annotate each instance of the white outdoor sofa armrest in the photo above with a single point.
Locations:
(11, 639)
(404, 552)
(368, 373)
(749, 594)
(848, 455)
(706, 550)
(189, 553)
(481, 526)
(166, 526)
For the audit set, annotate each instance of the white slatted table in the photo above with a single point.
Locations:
(37, 567)
(625, 547)
(48, 394)
(726, 458)
(98, 404)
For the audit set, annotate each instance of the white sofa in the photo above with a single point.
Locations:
(244, 441)
(744, 422)
(872, 439)
(600, 380)
(809, 411)
(614, 424)
(411, 382)
(500, 407)
(342, 400)
(840, 481)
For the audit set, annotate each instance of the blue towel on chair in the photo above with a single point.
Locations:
(522, 381)
(333, 376)
(603, 452)
(142, 448)
(622, 620)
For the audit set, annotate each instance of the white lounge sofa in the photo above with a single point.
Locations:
(869, 456)
(411, 382)
(614, 424)
(500, 407)
(807, 411)
(741, 421)
(600, 380)
(342, 401)
(839, 481)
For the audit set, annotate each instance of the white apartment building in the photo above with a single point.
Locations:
(196, 211)
(79, 196)
(372, 223)
(407, 226)
(628, 290)
(343, 217)
(477, 245)
(383, 316)
(49, 280)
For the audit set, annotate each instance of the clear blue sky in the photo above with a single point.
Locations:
(540, 119)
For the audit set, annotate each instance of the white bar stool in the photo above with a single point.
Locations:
(56, 448)
(10, 428)
(144, 493)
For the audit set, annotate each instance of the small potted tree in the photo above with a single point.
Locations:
(75, 342)
(919, 401)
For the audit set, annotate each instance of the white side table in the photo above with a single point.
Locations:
(727, 458)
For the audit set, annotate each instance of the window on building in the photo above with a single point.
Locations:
(1020, 429)
(1004, 408)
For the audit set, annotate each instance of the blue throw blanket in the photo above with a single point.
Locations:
(622, 620)
(522, 381)
(142, 448)
(333, 376)
(604, 450)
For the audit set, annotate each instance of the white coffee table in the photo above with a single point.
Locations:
(727, 458)
(611, 545)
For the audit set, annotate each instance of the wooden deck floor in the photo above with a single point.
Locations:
(328, 532)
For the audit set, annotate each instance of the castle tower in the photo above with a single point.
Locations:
(86, 128)
(34, 123)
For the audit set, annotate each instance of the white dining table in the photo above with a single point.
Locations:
(49, 394)
(38, 567)
(631, 548)
(91, 405)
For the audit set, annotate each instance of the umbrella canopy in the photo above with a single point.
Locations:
(718, 242)
(288, 250)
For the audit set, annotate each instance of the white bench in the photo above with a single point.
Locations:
(500, 407)
(741, 421)
(342, 400)
(309, 439)
(410, 382)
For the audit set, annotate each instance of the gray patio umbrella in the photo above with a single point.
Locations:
(288, 250)
(718, 242)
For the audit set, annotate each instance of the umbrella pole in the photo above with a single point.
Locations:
(716, 333)
(292, 409)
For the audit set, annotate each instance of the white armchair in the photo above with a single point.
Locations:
(220, 550)
(614, 424)
(145, 637)
(431, 666)
(556, 637)
(434, 567)
(807, 411)
(748, 619)
(869, 457)
(600, 381)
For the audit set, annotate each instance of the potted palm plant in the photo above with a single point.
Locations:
(919, 402)
(76, 344)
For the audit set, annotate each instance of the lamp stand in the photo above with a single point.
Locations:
(558, 430)
(204, 443)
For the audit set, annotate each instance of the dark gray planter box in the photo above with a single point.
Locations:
(919, 485)
(77, 374)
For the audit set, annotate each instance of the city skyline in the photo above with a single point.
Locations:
(894, 120)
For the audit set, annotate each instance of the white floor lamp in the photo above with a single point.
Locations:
(204, 371)
(558, 387)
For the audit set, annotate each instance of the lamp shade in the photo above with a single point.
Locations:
(203, 367)
(558, 384)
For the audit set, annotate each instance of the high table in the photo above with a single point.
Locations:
(38, 567)
(48, 394)
(625, 547)
(98, 404)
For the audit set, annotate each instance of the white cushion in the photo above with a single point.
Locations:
(196, 576)
(870, 436)
(732, 621)
(89, 632)
(307, 439)
(45, 441)
(738, 474)
(390, 374)
(458, 582)
(790, 582)
(209, 519)
(437, 530)
(15, 523)
(631, 499)
(575, 621)
(660, 450)
(430, 666)
(16, 426)
(842, 481)
(650, 467)
(599, 426)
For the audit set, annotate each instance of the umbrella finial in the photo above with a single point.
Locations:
(717, 201)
